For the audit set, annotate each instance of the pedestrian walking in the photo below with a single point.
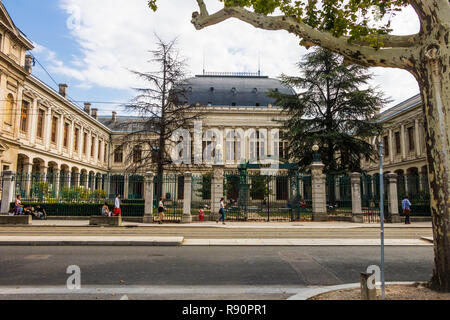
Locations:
(406, 206)
(222, 211)
(161, 210)
(117, 210)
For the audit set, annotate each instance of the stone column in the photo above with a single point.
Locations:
(92, 178)
(216, 190)
(148, 211)
(28, 174)
(71, 138)
(393, 198)
(7, 191)
(417, 137)
(108, 185)
(125, 187)
(403, 141)
(357, 214)
(56, 177)
(33, 121)
(391, 146)
(187, 217)
(48, 128)
(319, 197)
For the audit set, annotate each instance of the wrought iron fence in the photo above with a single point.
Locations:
(416, 187)
(370, 197)
(339, 195)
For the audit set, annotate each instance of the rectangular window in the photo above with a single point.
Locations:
(40, 124)
(386, 146)
(24, 116)
(66, 135)
(99, 150)
(75, 139)
(54, 128)
(411, 139)
(84, 142)
(92, 146)
(398, 147)
(118, 155)
(105, 153)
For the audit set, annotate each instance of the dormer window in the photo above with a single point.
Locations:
(255, 90)
(233, 104)
(211, 89)
(233, 90)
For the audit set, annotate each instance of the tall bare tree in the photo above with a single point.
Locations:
(348, 27)
(162, 109)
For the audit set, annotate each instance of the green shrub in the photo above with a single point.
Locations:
(65, 209)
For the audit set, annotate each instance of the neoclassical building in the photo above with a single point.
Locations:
(404, 145)
(43, 132)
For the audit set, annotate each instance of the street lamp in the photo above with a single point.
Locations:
(316, 155)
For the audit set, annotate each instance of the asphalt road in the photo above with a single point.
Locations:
(200, 272)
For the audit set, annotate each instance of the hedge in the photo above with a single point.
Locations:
(86, 209)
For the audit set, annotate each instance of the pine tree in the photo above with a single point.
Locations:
(335, 109)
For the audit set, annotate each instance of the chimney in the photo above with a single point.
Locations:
(63, 90)
(114, 116)
(94, 113)
(28, 63)
(87, 108)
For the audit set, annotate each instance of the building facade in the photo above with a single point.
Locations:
(43, 133)
(404, 146)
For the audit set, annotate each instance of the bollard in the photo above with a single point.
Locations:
(366, 292)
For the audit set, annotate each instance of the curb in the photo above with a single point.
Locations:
(91, 241)
(312, 292)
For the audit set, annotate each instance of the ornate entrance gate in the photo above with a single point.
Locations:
(253, 194)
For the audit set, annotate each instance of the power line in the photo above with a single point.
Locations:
(50, 76)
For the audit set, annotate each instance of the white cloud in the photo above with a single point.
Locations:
(114, 36)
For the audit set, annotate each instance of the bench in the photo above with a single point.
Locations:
(105, 221)
(15, 220)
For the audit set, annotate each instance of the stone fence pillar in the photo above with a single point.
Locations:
(319, 197)
(393, 198)
(149, 186)
(357, 214)
(216, 191)
(7, 191)
(187, 217)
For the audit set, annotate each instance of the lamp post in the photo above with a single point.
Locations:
(383, 286)
(316, 155)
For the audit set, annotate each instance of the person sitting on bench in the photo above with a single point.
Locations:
(105, 210)
(40, 213)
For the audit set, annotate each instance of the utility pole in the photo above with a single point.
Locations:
(383, 286)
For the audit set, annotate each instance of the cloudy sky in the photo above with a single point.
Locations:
(92, 45)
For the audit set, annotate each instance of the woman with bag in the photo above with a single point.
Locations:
(406, 206)
(222, 211)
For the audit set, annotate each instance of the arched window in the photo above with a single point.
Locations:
(257, 146)
(233, 146)
(137, 154)
(9, 109)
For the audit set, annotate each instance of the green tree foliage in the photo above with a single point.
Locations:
(368, 20)
(335, 109)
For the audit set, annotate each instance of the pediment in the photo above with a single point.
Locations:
(6, 19)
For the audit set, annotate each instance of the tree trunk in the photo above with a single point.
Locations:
(433, 75)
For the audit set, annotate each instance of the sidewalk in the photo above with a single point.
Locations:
(181, 241)
(238, 225)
